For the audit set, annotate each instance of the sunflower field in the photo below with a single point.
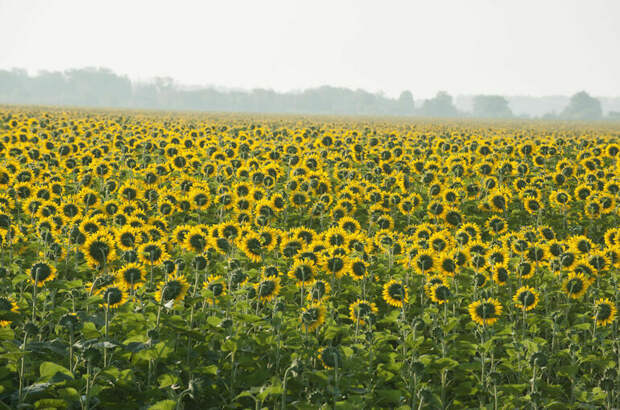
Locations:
(168, 261)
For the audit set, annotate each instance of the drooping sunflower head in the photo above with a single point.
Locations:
(99, 250)
(330, 357)
(605, 312)
(113, 295)
(153, 253)
(312, 317)
(395, 293)
(319, 291)
(362, 312)
(42, 272)
(131, 275)
(267, 288)
(526, 298)
(303, 272)
(174, 289)
(485, 311)
(215, 287)
(440, 293)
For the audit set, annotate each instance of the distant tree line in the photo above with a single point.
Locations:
(100, 87)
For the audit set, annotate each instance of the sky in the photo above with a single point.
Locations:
(523, 47)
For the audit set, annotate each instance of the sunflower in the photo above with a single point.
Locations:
(127, 238)
(532, 205)
(335, 263)
(446, 263)
(312, 317)
(99, 250)
(330, 357)
(359, 269)
(499, 199)
(173, 290)
(453, 217)
(525, 270)
(251, 245)
(485, 311)
(598, 260)
(152, 253)
(7, 304)
(605, 312)
(319, 291)
(131, 275)
(425, 261)
(194, 240)
(42, 272)
(395, 293)
(113, 295)
(440, 293)
(496, 225)
(216, 287)
(580, 244)
(575, 285)
(362, 311)
(267, 288)
(303, 272)
(501, 274)
(526, 298)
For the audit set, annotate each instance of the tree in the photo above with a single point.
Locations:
(405, 104)
(439, 106)
(491, 106)
(583, 107)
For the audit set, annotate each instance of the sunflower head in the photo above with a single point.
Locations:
(362, 312)
(42, 272)
(605, 312)
(173, 290)
(113, 295)
(485, 311)
(312, 317)
(395, 293)
(526, 298)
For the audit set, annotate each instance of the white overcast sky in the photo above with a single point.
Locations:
(523, 47)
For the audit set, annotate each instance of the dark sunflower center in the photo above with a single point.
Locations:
(603, 312)
(502, 275)
(303, 273)
(171, 290)
(527, 298)
(112, 296)
(448, 265)
(574, 285)
(486, 310)
(425, 262)
(266, 288)
(128, 239)
(216, 288)
(442, 292)
(254, 246)
(335, 264)
(396, 291)
(223, 244)
(198, 242)
(132, 275)
(99, 251)
(310, 316)
(40, 272)
(153, 252)
(359, 268)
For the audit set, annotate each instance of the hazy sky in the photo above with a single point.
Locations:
(534, 47)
